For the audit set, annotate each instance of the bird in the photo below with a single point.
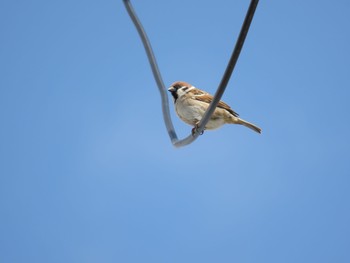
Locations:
(191, 103)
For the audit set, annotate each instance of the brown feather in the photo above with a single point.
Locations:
(206, 97)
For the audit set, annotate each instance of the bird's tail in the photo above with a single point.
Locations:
(249, 125)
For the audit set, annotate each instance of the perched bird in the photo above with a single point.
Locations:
(191, 104)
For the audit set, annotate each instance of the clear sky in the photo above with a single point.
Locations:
(88, 173)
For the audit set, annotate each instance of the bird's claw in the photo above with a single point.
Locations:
(195, 129)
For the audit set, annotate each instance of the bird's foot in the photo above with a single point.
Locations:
(195, 129)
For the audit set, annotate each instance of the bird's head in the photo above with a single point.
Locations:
(179, 88)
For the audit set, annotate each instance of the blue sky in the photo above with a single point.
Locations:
(88, 173)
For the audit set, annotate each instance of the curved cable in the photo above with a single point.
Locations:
(221, 89)
(230, 66)
(156, 73)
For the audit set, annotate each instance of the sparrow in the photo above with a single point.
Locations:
(191, 104)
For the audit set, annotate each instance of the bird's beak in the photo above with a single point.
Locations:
(171, 89)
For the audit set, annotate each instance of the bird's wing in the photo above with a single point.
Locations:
(206, 97)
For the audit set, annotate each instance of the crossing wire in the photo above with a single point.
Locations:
(162, 89)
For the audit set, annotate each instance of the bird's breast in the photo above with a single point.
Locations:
(192, 111)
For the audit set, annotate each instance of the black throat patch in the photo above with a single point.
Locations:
(174, 94)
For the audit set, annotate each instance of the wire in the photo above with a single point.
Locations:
(221, 89)
(230, 66)
(156, 73)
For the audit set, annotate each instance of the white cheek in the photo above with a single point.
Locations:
(184, 90)
(180, 92)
